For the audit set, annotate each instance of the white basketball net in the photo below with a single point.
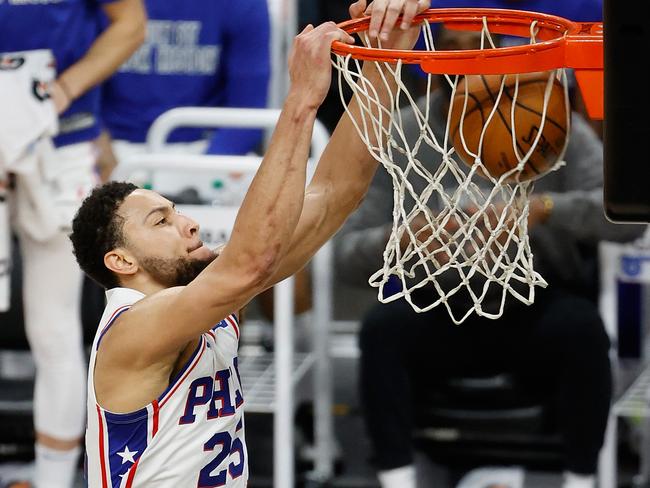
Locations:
(474, 243)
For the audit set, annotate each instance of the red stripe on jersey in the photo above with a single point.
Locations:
(156, 409)
(129, 479)
(178, 383)
(234, 325)
(101, 448)
(114, 314)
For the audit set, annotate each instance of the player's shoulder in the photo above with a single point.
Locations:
(156, 316)
(164, 300)
(151, 305)
(134, 325)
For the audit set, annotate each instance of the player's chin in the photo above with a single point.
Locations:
(203, 253)
(217, 250)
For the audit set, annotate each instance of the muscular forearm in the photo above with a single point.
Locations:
(351, 166)
(340, 182)
(270, 211)
(120, 39)
(347, 167)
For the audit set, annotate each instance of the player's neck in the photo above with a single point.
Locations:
(144, 285)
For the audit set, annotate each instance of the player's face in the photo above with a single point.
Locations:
(165, 243)
(459, 40)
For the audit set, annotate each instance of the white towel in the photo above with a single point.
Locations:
(28, 114)
(28, 120)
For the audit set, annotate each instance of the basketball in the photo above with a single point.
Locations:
(497, 152)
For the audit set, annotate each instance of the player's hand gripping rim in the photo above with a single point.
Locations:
(384, 14)
(310, 60)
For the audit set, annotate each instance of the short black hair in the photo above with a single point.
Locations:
(97, 228)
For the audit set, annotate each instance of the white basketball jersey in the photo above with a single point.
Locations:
(192, 435)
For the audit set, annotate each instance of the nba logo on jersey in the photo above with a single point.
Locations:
(191, 435)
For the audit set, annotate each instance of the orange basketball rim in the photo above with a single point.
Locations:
(561, 43)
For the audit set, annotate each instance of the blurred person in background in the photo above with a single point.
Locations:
(199, 54)
(47, 179)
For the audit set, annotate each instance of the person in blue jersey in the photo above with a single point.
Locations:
(212, 53)
(83, 56)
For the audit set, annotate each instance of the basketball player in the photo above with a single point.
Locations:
(557, 348)
(56, 186)
(164, 398)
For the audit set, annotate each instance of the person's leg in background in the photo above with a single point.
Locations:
(403, 352)
(51, 295)
(46, 200)
(567, 352)
(558, 345)
(386, 392)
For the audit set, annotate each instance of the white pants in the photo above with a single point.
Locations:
(52, 289)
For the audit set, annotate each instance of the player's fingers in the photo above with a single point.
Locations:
(377, 17)
(308, 28)
(410, 11)
(392, 12)
(341, 35)
(325, 29)
(357, 9)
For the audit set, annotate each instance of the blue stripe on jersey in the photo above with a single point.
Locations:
(180, 374)
(127, 440)
(108, 326)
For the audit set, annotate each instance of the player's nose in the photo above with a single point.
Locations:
(190, 227)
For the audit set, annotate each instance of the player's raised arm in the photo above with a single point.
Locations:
(267, 219)
(270, 211)
(346, 168)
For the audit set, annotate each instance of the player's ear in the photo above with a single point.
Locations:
(121, 262)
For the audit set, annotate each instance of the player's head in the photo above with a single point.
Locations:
(122, 233)
(456, 40)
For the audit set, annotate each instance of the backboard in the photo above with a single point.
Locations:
(627, 111)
